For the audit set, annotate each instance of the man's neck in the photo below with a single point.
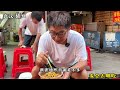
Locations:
(64, 42)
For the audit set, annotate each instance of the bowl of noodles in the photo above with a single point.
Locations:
(51, 75)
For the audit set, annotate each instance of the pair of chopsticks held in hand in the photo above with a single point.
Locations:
(48, 59)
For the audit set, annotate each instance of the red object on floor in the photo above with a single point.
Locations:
(2, 64)
(19, 66)
(78, 27)
(89, 61)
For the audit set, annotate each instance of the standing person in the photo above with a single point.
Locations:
(34, 24)
(65, 47)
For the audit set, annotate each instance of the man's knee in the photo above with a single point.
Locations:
(35, 72)
(80, 75)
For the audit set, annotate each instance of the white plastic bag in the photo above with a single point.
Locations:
(25, 75)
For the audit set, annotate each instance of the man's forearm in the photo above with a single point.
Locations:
(81, 65)
(37, 38)
(20, 34)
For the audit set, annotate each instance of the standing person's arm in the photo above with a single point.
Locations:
(39, 32)
(20, 37)
(21, 26)
(35, 44)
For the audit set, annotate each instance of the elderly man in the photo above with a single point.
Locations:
(65, 47)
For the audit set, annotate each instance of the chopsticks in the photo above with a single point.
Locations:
(49, 62)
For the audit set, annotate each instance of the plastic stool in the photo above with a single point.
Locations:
(89, 62)
(2, 64)
(19, 66)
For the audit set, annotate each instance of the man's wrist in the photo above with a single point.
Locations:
(35, 43)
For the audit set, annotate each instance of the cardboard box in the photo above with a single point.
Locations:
(115, 30)
(91, 26)
(115, 27)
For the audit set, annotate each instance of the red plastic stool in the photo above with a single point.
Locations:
(89, 62)
(2, 64)
(18, 66)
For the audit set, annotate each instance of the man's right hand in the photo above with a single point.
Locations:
(42, 59)
(20, 43)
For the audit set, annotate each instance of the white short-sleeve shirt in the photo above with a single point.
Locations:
(61, 55)
(32, 29)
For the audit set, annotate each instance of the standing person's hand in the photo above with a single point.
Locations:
(34, 47)
(42, 59)
(20, 43)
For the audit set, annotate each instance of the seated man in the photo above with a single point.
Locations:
(65, 47)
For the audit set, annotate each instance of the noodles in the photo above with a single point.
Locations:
(50, 75)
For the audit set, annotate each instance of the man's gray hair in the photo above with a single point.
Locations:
(59, 18)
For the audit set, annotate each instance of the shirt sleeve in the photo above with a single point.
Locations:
(41, 27)
(81, 53)
(22, 23)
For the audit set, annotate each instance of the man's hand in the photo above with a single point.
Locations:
(20, 43)
(23, 46)
(34, 47)
(42, 59)
(66, 75)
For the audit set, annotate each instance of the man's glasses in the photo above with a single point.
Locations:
(59, 34)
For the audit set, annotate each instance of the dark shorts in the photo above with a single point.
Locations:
(28, 40)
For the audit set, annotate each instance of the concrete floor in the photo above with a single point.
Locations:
(102, 62)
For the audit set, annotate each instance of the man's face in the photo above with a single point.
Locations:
(58, 34)
(35, 21)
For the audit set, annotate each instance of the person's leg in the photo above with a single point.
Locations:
(80, 75)
(27, 40)
(35, 72)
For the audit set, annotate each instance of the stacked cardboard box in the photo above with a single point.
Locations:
(109, 28)
(104, 16)
(91, 26)
(107, 18)
(113, 28)
(116, 28)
